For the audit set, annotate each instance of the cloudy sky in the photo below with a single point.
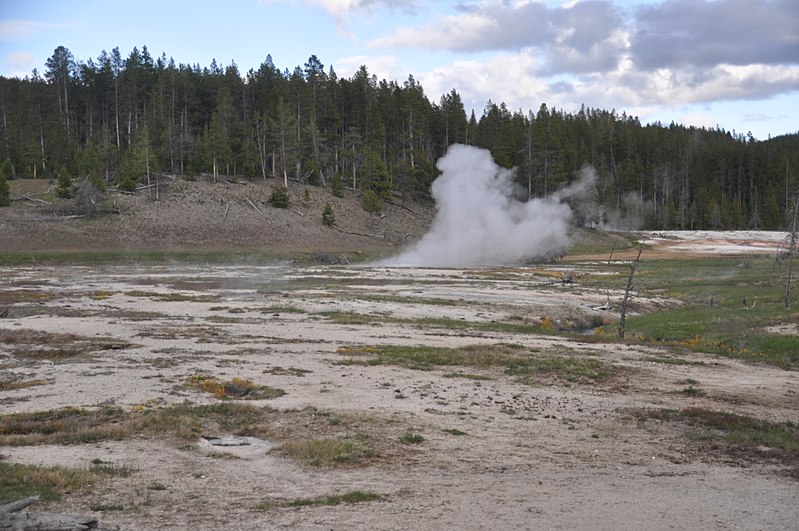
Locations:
(731, 63)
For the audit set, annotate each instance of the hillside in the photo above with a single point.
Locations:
(202, 215)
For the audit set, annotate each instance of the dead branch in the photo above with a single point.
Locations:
(19, 504)
(249, 201)
(377, 236)
(296, 212)
(227, 207)
(27, 197)
(623, 317)
(613, 249)
(12, 520)
(409, 209)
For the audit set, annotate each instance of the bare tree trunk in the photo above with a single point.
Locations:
(116, 108)
(791, 251)
(623, 317)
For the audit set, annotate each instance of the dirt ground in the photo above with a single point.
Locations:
(494, 453)
(201, 215)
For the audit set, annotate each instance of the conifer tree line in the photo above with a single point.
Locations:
(117, 121)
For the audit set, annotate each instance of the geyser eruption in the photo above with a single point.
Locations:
(479, 222)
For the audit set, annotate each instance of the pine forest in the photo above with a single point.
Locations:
(116, 121)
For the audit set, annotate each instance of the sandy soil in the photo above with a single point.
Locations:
(203, 215)
(551, 455)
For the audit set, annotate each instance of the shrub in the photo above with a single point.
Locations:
(5, 191)
(370, 202)
(337, 185)
(328, 217)
(64, 187)
(279, 197)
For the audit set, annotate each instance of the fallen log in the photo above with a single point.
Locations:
(409, 209)
(19, 504)
(27, 197)
(296, 212)
(253, 205)
(377, 236)
(13, 520)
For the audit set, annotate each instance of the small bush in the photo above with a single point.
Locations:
(326, 452)
(64, 187)
(370, 202)
(5, 191)
(337, 185)
(328, 217)
(412, 438)
(279, 197)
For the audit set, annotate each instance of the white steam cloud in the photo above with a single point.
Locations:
(479, 222)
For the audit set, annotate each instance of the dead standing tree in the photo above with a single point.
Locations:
(633, 265)
(791, 252)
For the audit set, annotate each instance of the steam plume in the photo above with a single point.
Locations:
(479, 222)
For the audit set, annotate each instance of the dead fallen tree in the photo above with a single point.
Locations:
(12, 519)
(353, 233)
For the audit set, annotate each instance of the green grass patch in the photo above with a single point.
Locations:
(515, 359)
(353, 496)
(741, 431)
(454, 431)
(80, 426)
(570, 369)
(103, 507)
(732, 332)
(171, 297)
(728, 303)
(354, 318)
(328, 451)
(20, 481)
(692, 391)
(20, 384)
(236, 388)
(412, 438)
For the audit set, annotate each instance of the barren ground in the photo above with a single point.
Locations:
(492, 450)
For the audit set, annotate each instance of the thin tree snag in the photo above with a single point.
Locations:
(12, 520)
(249, 201)
(613, 249)
(376, 236)
(409, 209)
(31, 199)
(623, 317)
(791, 252)
(227, 207)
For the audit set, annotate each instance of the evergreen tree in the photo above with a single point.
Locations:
(93, 117)
(64, 184)
(5, 191)
(328, 217)
(279, 197)
(370, 202)
(336, 185)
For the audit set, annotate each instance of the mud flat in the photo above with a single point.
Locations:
(277, 396)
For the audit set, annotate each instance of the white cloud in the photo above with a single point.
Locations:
(509, 78)
(698, 120)
(459, 32)
(382, 66)
(17, 30)
(17, 64)
(341, 10)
